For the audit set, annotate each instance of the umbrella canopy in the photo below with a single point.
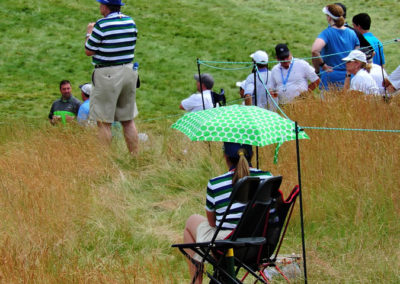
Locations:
(238, 124)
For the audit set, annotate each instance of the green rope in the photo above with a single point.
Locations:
(228, 69)
(391, 41)
(351, 129)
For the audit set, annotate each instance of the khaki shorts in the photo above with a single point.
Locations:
(113, 96)
(205, 233)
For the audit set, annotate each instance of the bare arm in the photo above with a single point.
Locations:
(316, 48)
(247, 100)
(346, 86)
(89, 30)
(211, 218)
(313, 85)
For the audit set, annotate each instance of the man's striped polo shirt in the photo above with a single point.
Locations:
(113, 39)
(218, 192)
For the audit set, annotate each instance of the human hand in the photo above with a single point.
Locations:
(89, 28)
(55, 119)
(69, 118)
(273, 93)
(327, 68)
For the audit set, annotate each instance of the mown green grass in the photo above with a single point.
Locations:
(124, 214)
(44, 44)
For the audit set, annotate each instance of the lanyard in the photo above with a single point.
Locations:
(284, 80)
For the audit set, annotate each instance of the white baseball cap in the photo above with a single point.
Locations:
(356, 55)
(86, 88)
(260, 57)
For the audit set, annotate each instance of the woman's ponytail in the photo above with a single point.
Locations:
(242, 167)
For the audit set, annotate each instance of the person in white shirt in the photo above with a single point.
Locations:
(203, 99)
(259, 96)
(379, 75)
(362, 81)
(291, 76)
(392, 83)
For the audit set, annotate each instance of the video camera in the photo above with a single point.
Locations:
(218, 98)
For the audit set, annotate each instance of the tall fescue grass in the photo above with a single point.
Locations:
(74, 211)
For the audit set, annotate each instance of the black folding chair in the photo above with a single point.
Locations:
(278, 221)
(246, 240)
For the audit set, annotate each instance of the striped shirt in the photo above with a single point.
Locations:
(113, 39)
(218, 192)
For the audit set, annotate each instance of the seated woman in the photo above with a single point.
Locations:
(201, 229)
(362, 81)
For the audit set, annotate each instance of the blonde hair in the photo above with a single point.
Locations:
(367, 66)
(242, 166)
(337, 11)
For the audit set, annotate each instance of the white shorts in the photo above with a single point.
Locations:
(205, 233)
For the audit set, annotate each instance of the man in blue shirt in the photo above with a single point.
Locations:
(362, 23)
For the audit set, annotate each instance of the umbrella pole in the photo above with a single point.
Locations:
(257, 157)
(201, 85)
(301, 201)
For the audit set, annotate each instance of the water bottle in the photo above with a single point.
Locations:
(136, 66)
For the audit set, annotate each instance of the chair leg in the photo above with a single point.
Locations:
(281, 273)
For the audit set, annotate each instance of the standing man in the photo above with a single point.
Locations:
(362, 23)
(111, 42)
(259, 96)
(292, 75)
(65, 108)
(195, 101)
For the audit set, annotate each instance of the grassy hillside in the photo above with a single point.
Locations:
(73, 211)
(44, 44)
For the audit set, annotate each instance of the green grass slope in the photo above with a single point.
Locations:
(111, 219)
(44, 43)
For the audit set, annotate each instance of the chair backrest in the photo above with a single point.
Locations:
(255, 218)
(280, 214)
(243, 191)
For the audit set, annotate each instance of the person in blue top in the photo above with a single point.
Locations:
(83, 113)
(362, 23)
(331, 45)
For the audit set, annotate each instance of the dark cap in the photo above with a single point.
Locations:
(111, 2)
(206, 79)
(282, 51)
(231, 150)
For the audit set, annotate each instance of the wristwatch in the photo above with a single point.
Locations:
(321, 64)
(348, 75)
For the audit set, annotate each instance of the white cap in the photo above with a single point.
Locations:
(356, 55)
(260, 57)
(86, 88)
(241, 84)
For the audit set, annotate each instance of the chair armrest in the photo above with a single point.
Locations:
(240, 242)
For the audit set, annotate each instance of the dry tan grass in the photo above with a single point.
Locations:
(46, 187)
(73, 211)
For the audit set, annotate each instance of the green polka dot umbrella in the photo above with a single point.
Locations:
(238, 124)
